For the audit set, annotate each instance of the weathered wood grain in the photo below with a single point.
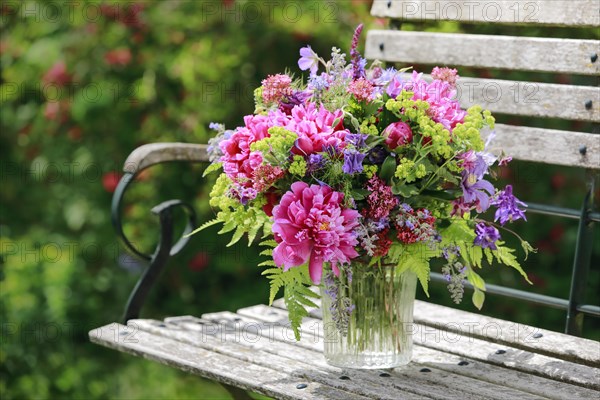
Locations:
(466, 346)
(529, 98)
(577, 13)
(547, 146)
(553, 344)
(155, 153)
(484, 51)
(246, 342)
(423, 356)
(219, 367)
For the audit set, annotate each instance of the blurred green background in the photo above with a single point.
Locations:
(83, 84)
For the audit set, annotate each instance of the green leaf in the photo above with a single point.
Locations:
(448, 195)
(404, 190)
(478, 298)
(505, 256)
(476, 280)
(239, 232)
(204, 226)
(388, 168)
(212, 168)
(414, 257)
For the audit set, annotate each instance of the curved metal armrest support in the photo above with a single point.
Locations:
(140, 159)
(155, 153)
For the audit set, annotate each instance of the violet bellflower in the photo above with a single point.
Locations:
(486, 236)
(508, 207)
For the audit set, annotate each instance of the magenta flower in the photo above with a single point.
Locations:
(311, 226)
(308, 60)
(397, 134)
(315, 128)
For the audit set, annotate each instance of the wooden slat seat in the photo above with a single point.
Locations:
(254, 349)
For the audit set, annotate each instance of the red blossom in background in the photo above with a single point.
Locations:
(199, 262)
(57, 74)
(110, 180)
(120, 57)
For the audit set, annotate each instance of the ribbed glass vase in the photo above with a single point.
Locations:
(367, 316)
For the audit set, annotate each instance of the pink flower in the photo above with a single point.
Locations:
(362, 89)
(397, 134)
(440, 95)
(445, 74)
(239, 162)
(276, 88)
(57, 74)
(315, 128)
(311, 226)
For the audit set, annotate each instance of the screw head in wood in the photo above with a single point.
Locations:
(424, 370)
(583, 150)
(301, 386)
(537, 335)
(588, 105)
(500, 351)
(594, 57)
(463, 363)
(389, 4)
(345, 378)
(381, 46)
(384, 375)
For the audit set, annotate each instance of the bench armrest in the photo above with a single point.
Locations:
(155, 153)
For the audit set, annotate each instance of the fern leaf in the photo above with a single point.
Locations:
(268, 243)
(204, 226)
(239, 232)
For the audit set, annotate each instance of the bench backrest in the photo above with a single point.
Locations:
(519, 98)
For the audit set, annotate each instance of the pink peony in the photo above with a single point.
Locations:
(311, 226)
(397, 134)
(239, 163)
(315, 128)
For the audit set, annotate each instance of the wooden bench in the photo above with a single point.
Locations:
(457, 354)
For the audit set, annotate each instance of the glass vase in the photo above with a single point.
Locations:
(368, 316)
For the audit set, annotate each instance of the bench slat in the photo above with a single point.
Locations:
(529, 98)
(548, 146)
(438, 384)
(257, 344)
(484, 51)
(554, 344)
(479, 370)
(219, 367)
(155, 153)
(466, 346)
(580, 13)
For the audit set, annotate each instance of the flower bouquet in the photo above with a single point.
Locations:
(357, 178)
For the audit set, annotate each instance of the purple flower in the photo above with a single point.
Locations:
(358, 63)
(353, 161)
(297, 98)
(474, 192)
(377, 154)
(308, 60)
(318, 82)
(486, 236)
(508, 207)
(315, 162)
(356, 139)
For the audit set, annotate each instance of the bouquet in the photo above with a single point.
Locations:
(362, 163)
